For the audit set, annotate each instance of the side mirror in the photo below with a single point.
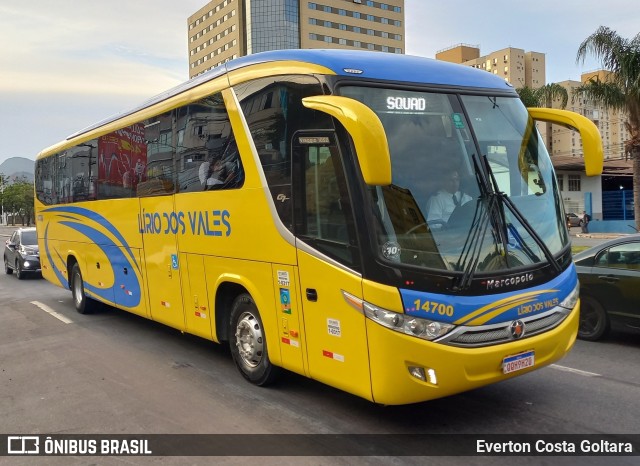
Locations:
(366, 130)
(591, 140)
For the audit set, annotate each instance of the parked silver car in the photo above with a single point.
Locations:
(574, 220)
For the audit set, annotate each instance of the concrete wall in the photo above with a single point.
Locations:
(610, 226)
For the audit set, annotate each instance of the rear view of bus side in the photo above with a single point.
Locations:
(387, 225)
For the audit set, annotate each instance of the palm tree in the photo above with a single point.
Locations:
(551, 92)
(543, 96)
(620, 89)
(528, 96)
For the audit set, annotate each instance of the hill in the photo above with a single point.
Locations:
(18, 168)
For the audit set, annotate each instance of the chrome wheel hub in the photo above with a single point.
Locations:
(249, 339)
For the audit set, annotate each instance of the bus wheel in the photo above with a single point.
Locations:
(248, 343)
(80, 300)
(594, 322)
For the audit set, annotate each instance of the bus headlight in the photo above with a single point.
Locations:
(417, 327)
(572, 298)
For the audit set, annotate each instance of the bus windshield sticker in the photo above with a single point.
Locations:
(457, 120)
(391, 250)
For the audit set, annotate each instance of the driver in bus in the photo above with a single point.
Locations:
(442, 204)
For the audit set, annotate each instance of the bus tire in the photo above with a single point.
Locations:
(594, 322)
(82, 303)
(248, 343)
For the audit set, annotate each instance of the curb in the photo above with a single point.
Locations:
(601, 235)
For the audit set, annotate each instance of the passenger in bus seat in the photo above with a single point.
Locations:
(214, 173)
(221, 171)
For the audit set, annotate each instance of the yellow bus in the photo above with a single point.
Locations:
(385, 224)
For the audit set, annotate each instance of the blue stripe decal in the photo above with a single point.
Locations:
(493, 308)
(126, 288)
(56, 270)
(98, 219)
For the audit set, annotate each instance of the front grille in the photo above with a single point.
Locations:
(499, 333)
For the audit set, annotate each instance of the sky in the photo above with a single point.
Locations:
(66, 64)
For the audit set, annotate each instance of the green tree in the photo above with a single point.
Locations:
(619, 89)
(543, 96)
(17, 200)
(528, 96)
(549, 93)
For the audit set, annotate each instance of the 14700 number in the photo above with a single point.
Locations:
(433, 307)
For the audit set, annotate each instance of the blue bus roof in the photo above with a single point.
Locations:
(377, 66)
(382, 66)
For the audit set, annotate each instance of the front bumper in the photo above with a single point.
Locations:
(31, 264)
(456, 369)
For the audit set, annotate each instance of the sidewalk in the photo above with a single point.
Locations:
(600, 235)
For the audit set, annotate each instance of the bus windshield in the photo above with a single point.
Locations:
(470, 176)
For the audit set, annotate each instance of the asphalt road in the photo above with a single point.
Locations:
(112, 372)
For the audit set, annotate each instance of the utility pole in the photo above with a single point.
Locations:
(3, 178)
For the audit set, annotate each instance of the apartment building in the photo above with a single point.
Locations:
(225, 29)
(518, 67)
(610, 123)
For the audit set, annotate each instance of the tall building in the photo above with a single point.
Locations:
(226, 29)
(518, 67)
(610, 122)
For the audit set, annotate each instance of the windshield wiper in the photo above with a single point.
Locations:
(494, 214)
(472, 248)
(504, 200)
(527, 226)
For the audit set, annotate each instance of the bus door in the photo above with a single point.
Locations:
(161, 260)
(328, 260)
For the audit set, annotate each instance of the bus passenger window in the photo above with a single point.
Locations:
(118, 154)
(206, 153)
(153, 169)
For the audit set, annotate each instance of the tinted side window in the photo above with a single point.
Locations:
(153, 169)
(120, 152)
(206, 153)
(83, 161)
(44, 180)
(274, 112)
(68, 176)
(623, 256)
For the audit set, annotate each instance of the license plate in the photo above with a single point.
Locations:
(517, 362)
